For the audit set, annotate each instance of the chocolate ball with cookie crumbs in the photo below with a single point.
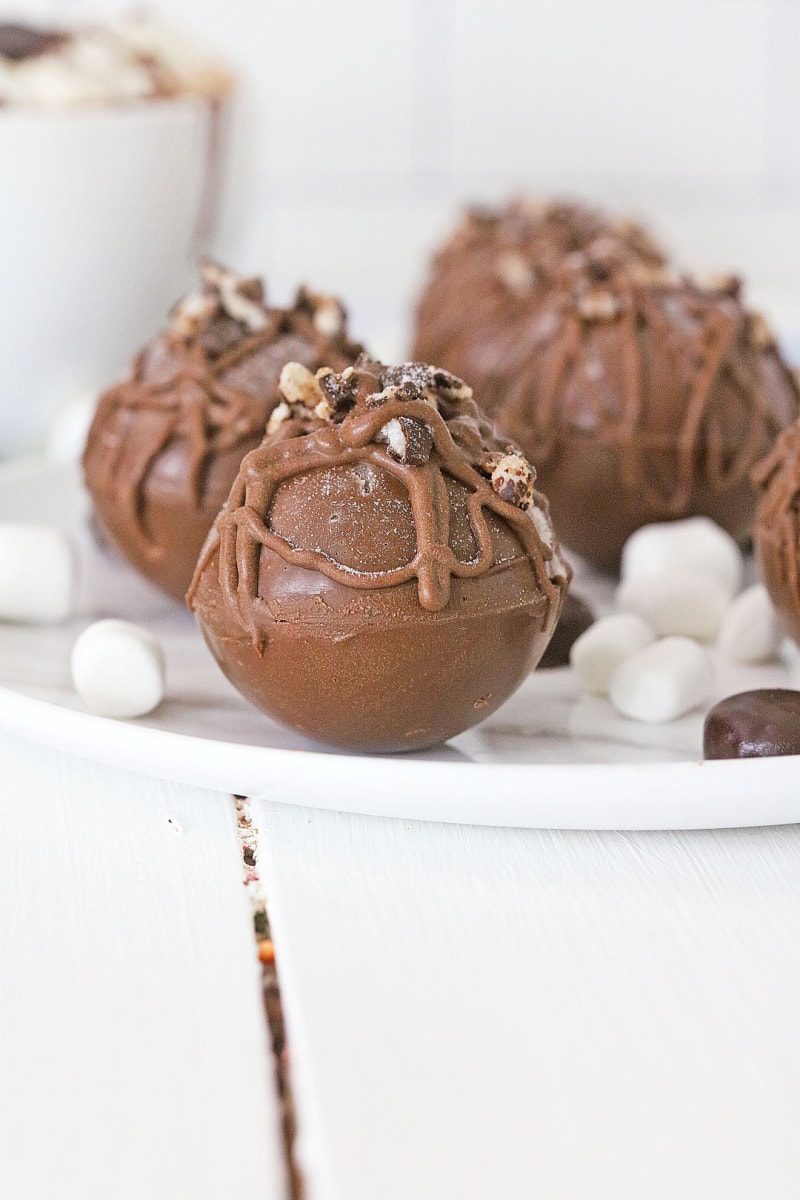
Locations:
(165, 445)
(640, 395)
(384, 573)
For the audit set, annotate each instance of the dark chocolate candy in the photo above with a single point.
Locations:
(165, 445)
(383, 575)
(640, 396)
(758, 724)
(575, 619)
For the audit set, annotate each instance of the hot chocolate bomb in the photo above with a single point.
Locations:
(640, 396)
(383, 575)
(165, 445)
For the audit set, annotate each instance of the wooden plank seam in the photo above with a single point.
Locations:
(248, 834)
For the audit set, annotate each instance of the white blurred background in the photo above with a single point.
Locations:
(373, 123)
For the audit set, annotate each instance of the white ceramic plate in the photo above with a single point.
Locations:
(550, 758)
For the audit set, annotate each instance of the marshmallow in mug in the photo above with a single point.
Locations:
(118, 669)
(696, 544)
(38, 574)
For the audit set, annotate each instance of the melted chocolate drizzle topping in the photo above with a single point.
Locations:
(461, 447)
(633, 302)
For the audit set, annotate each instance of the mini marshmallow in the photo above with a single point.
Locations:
(696, 543)
(750, 632)
(38, 574)
(677, 603)
(663, 681)
(118, 669)
(597, 653)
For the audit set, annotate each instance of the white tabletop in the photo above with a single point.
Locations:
(471, 1012)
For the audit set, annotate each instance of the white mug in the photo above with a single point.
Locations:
(103, 212)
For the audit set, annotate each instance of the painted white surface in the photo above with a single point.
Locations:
(133, 1050)
(478, 1013)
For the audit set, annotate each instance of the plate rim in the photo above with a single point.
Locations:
(127, 743)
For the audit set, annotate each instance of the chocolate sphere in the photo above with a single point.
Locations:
(165, 445)
(383, 575)
(777, 529)
(640, 396)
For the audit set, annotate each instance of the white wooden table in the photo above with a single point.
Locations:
(472, 1013)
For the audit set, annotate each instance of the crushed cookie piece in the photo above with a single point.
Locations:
(240, 298)
(329, 317)
(517, 274)
(599, 306)
(277, 417)
(338, 392)
(407, 440)
(192, 313)
(513, 478)
(299, 386)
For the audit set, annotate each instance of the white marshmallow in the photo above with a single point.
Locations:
(663, 681)
(604, 645)
(38, 574)
(682, 603)
(118, 669)
(750, 632)
(696, 543)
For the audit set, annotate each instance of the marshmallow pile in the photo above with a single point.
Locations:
(679, 592)
(117, 668)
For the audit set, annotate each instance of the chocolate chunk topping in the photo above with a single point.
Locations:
(758, 724)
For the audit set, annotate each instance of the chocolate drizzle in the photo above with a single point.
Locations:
(311, 434)
(706, 332)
